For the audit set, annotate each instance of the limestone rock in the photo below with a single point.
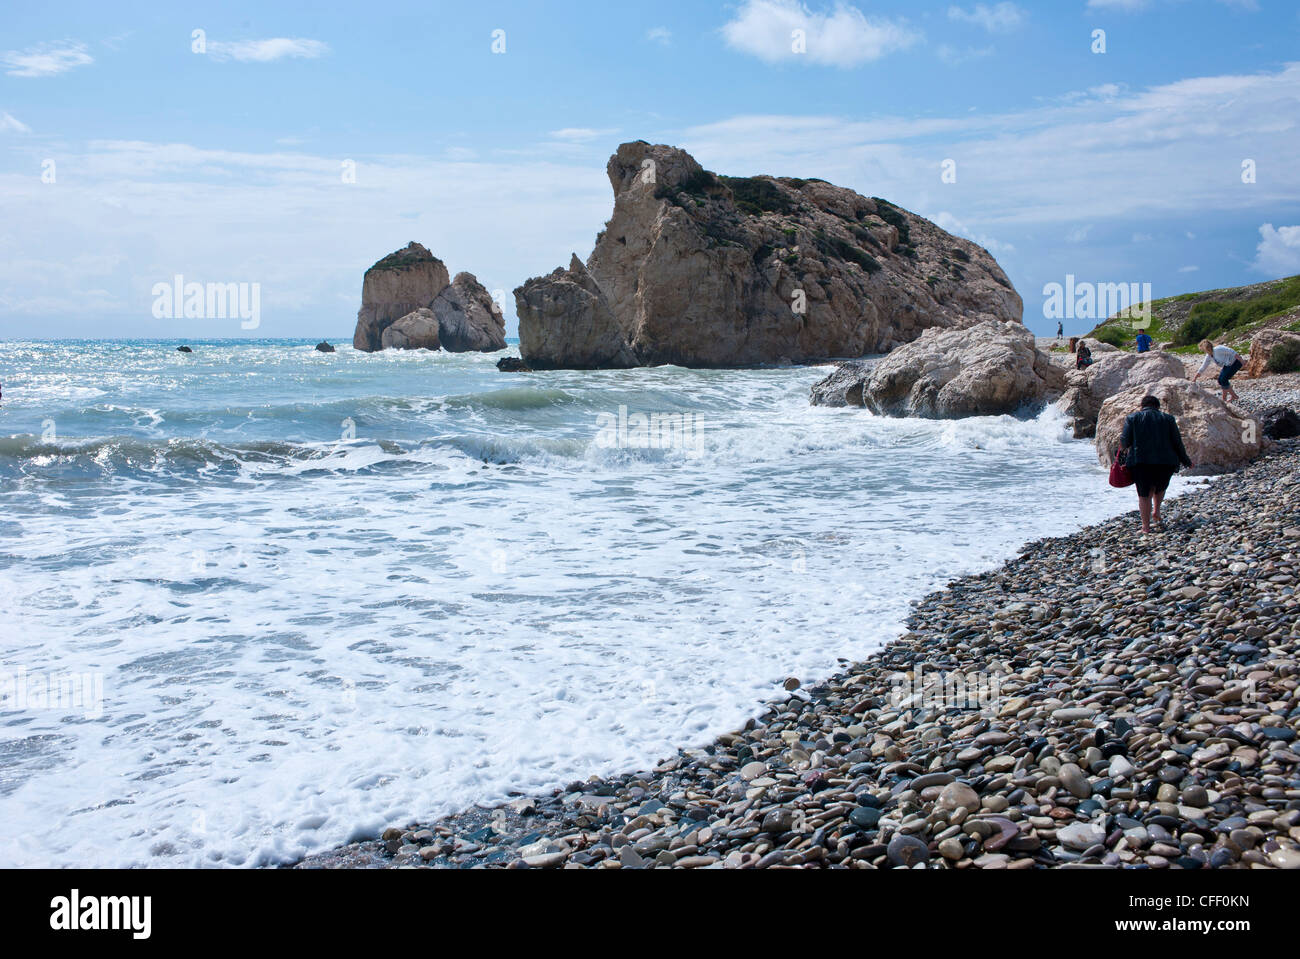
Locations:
(570, 323)
(1112, 373)
(395, 287)
(418, 330)
(986, 370)
(1096, 347)
(1262, 351)
(468, 319)
(710, 271)
(843, 387)
(1219, 438)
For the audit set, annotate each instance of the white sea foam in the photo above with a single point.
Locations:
(304, 638)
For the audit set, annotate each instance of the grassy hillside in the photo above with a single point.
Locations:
(1230, 316)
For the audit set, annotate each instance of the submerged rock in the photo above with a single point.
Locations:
(703, 270)
(324, 347)
(512, 364)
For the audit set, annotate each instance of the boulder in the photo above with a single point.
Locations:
(1219, 438)
(1273, 351)
(395, 287)
(418, 330)
(468, 320)
(986, 370)
(703, 270)
(1111, 373)
(571, 324)
(1280, 423)
(1096, 347)
(843, 387)
(513, 364)
(324, 347)
(183, 349)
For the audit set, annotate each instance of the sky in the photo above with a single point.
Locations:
(291, 145)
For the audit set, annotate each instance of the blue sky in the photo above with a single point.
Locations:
(226, 165)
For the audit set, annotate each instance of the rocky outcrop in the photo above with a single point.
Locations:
(1087, 389)
(712, 271)
(468, 320)
(324, 347)
(418, 330)
(1219, 438)
(397, 286)
(986, 370)
(844, 387)
(408, 303)
(570, 323)
(1097, 347)
(513, 364)
(1273, 351)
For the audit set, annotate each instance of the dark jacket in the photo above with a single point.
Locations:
(1152, 438)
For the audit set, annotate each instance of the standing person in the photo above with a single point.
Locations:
(1153, 445)
(1060, 330)
(1228, 359)
(1144, 342)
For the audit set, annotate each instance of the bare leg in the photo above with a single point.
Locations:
(1144, 508)
(1157, 498)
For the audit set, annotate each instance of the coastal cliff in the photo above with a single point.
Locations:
(703, 270)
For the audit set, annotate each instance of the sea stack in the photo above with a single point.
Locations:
(408, 301)
(703, 270)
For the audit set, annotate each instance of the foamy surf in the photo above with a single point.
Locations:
(352, 590)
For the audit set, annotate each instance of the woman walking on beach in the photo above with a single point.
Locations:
(1228, 359)
(1153, 448)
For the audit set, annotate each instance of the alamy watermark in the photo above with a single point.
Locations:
(936, 689)
(650, 431)
(65, 692)
(1074, 300)
(208, 301)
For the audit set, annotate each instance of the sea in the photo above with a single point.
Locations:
(257, 600)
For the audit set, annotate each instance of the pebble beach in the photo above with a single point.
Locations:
(1103, 700)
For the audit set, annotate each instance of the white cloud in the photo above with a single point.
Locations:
(11, 124)
(660, 35)
(1189, 269)
(1278, 253)
(999, 18)
(1078, 234)
(264, 51)
(845, 37)
(579, 134)
(952, 56)
(46, 60)
(1124, 5)
(946, 221)
(1142, 238)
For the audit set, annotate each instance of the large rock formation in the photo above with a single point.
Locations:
(1273, 351)
(408, 302)
(1219, 438)
(1087, 389)
(468, 320)
(712, 271)
(986, 370)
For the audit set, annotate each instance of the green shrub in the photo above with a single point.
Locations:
(895, 218)
(756, 197)
(1285, 358)
(1114, 335)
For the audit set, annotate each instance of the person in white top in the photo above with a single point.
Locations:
(1228, 359)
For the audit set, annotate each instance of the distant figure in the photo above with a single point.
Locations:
(1144, 342)
(1082, 356)
(1060, 331)
(1228, 359)
(1152, 447)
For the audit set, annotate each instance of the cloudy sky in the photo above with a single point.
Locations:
(139, 141)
